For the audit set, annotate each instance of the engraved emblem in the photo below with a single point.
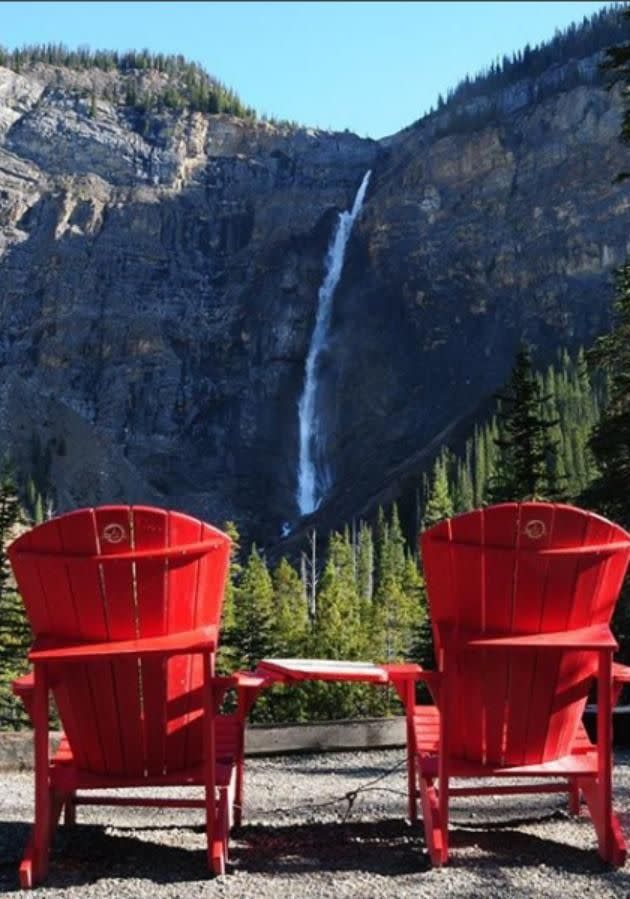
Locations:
(535, 529)
(113, 533)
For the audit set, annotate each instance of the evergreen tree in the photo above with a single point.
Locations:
(395, 608)
(292, 632)
(254, 629)
(337, 633)
(439, 504)
(480, 473)
(462, 489)
(228, 655)
(365, 578)
(254, 634)
(523, 469)
(291, 621)
(610, 443)
(380, 538)
(365, 564)
(15, 635)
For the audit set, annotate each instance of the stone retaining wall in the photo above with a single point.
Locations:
(16, 749)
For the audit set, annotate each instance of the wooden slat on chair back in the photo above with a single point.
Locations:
(126, 717)
(490, 572)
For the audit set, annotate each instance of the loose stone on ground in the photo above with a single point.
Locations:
(291, 845)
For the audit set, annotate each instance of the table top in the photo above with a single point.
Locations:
(322, 669)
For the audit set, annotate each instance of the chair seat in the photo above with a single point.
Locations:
(426, 722)
(65, 775)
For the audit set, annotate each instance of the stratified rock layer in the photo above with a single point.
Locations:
(158, 287)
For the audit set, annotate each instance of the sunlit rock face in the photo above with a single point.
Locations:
(158, 288)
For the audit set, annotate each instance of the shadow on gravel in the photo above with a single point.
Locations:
(88, 853)
(506, 848)
(387, 848)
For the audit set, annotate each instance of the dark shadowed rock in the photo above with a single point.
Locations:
(158, 287)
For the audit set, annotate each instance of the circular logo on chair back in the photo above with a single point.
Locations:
(535, 529)
(113, 533)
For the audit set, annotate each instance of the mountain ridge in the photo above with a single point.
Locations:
(158, 289)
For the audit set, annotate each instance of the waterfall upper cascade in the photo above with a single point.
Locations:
(313, 479)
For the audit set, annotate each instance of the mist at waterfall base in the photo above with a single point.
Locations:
(314, 479)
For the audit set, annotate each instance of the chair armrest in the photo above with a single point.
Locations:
(23, 686)
(621, 673)
(196, 641)
(402, 673)
(597, 637)
(240, 680)
(248, 685)
(407, 671)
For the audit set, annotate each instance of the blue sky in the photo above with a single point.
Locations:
(372, 67)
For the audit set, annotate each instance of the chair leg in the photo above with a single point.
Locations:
(610, 840)
(412, 766)
(26, 871)
(443, 797)
(69, 811)
(413, 777)
(237, 808)
(34, 866)
(598, 791)
(575, 797)
(433, 830)
(220, 835)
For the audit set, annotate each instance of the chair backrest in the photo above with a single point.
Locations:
(125, 717)
(520, 568)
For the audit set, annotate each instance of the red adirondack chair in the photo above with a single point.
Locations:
(125, 606)
(521, 596)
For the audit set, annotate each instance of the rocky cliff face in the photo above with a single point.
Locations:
(158, 288)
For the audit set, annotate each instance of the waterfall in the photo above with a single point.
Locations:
(312, 477)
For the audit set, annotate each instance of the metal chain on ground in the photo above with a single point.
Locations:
(350, 796)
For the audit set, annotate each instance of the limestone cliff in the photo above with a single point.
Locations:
(158, 286)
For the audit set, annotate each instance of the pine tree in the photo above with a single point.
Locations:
(337, 633)
(228, 655)
(254, 634)
(291, 621)
(292, 632)
(395, 607)
(523, 468)
(480, 474)
(254, 628)
(380, 538)
(365, 563)
(439, 504)
(15, 635)
(462, 487)
(365, 577)
(610, 443)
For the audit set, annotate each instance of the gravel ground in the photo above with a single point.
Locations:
(512, 846)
